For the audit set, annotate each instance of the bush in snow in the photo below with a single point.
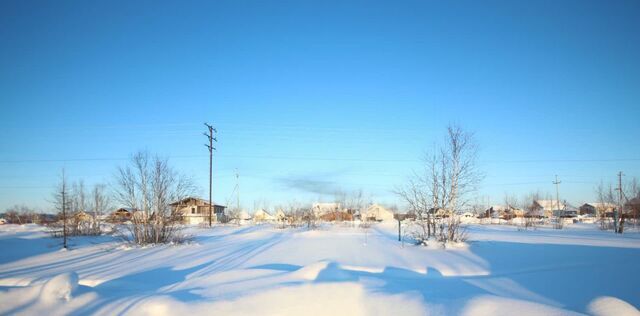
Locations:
(530, 222)
(558, 222)
(309, 217)
(148, 186)
(448, 229)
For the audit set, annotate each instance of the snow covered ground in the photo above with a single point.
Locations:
(336, 270)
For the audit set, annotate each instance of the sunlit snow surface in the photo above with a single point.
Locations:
(335, 270)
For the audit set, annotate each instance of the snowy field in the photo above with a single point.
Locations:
(336, 270)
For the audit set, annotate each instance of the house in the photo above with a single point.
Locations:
(320, 209)
(340, 216)
(503, 212)
(598, 209)
(82, 216)
(410, 216)
(632, 207)
(261, 216)
(517, 212)
(240, 217)
(569, 212)
(546, 208)
(196, 211)
(376, 212)
(49, 218)
(122, 214)
(244, 216)
(495, 211)
(439, 212)
(587, 209)
(280, 216)
(331, 212)
(467, 215)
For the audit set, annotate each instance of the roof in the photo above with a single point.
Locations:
(633, 202)
(534, 213)
(326, 205)
(191, 198)
(550, 204)
(244, 215)
(322, 208)
(379, 212)
(128, 209)
(601, 205)
(261, 213)
(377, 208)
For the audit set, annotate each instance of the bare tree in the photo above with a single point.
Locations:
(100, 203)
(148, 185)
(62, 202)
(449, 176)
(532, 215)
(308, 215)
(78, 197)
(78, 221)
(511, 203)
(606, 197)
(349, 204)
(528, 199)
(233, 215)
(618, 203)
(631, 190)
(295, 213)
(416, 194)
(22, 214)
(14, 216)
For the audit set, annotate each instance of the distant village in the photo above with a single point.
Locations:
(196, 211)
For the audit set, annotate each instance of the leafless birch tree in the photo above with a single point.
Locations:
(449, 176)
(148, 185)
(99, 204)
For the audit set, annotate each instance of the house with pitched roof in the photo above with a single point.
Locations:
(195, 210)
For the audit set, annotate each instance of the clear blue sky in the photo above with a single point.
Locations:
(309, 97)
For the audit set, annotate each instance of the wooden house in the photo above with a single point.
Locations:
(376, 212)
(195, 211)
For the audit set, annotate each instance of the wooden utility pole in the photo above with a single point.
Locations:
(210, 135)
(63, 193)
(620, 228)
(557, 193)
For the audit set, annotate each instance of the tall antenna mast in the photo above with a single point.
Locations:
(237, 190)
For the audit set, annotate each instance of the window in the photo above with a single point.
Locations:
(193, 210)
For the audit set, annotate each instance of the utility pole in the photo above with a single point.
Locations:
(557, 192)
(559, 219)
(620, 228)
(237, 191)
(210, 135)
(64, 211)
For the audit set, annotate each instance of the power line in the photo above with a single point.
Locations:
(275, 157)
(561, 160)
